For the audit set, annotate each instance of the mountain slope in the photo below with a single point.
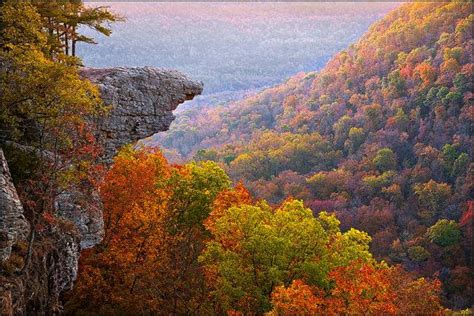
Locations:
(381, 136)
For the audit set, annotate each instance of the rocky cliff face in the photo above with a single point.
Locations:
(14, 228)
(141, 102)
(13, 225)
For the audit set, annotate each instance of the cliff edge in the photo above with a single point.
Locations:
(141, 102)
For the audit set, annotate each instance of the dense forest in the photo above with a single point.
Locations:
(181, 240)
(346, 191)
(381, 136)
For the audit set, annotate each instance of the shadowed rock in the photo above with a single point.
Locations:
(13, 225)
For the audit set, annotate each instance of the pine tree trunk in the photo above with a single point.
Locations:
(66, 40)
(73, 41)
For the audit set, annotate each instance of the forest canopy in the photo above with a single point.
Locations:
(179, 239)
(381, 135)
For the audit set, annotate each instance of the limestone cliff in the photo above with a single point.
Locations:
(13, 225)
(141, 102)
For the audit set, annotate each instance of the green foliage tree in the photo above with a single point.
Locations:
(461, 83)
(401, 119)
(254, 248)
(357, 137)
(455, 162)
(397, 84)
(445, 233)
(203, 154)
(418, 253)
(432, 195)
(377, 182)
(193, 195)
(460, 165)
(62, 19)
(385, 160)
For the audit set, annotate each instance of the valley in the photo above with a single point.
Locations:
(236, 158)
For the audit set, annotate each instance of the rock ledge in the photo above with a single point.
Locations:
(142, 101)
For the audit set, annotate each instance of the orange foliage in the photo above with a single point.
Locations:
(226, 199)
(414, 296)
(147, 262)
(297, 299)
(115, 273)
(361, 290)
(427, 73)
(130, 185)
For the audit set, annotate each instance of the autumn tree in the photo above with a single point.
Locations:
(46, 115)
(45, 104)
(154, 231)
(444, 232)
(414, 295)
(297, 299)
(113, 274)
(253, 249)
(20, 25)
(361, 288)
(235, 197)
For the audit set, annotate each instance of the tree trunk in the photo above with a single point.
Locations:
(66, 40)
(73, 41)
(30, 246)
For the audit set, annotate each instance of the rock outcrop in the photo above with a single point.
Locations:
(85, 211)
(13, 225)
(13, 228)
(141, 102)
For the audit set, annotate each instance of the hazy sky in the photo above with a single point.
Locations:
(232, 46)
